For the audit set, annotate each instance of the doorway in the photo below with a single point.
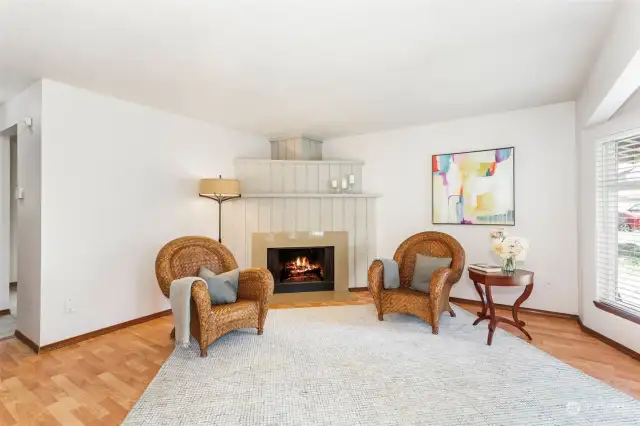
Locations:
(9, 314)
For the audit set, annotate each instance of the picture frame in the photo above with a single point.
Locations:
(474, 187)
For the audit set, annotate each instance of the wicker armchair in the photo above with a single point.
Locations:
(427, 307)
(183, 257)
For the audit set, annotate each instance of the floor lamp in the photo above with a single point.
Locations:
(220, 190)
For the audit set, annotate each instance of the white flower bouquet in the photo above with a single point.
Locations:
(508, 248)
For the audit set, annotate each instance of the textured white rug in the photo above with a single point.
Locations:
(340, 366)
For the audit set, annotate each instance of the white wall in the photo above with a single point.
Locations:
(622, 331)
(26, 104)
(119, 181)
(398, 165)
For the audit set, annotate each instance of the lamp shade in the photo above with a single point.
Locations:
(219, 187)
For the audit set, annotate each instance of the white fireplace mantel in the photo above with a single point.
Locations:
(258, 176)
(295, 196)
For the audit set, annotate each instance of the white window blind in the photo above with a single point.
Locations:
(618, 224)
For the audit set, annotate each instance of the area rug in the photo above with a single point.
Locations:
(340, 366)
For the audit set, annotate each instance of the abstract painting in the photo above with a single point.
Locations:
(474, 188)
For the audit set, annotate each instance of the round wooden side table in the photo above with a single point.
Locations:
(519, 278)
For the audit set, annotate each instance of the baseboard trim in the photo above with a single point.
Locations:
(604, 339)
(520, 309)
(355, 289)
(4, 312)
(30, 343)
(77, 339)
(102, 331)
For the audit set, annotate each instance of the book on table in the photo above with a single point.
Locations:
(485, 267)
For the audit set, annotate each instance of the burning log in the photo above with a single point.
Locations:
(301, 270)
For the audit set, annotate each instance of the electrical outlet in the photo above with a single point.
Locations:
(69, 307)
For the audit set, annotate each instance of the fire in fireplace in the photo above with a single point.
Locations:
(301, 269)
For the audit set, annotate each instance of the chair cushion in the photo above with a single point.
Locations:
(423, 270)
(223, 288)
(242, 309)
(405, 300)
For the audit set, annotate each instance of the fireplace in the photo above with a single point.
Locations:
(299, 269)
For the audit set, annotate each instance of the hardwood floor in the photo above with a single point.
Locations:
(96, 382)
(563, 339)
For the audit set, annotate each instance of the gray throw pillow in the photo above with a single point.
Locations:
(223, 288)
(423, 270)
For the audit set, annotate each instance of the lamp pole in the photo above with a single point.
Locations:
(219, 190)
(221, 199)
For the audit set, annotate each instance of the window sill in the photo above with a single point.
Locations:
(617, 312)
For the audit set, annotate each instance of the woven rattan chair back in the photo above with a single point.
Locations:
(184, 256)
(434, 244)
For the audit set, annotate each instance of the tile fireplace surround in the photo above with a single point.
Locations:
(261, 241)
(289, 201)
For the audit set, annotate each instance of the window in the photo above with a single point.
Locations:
(618, 227)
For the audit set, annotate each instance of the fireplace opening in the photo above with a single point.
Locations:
(301, 269)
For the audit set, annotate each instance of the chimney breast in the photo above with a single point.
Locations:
(296, 148)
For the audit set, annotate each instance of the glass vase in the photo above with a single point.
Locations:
(509, 265)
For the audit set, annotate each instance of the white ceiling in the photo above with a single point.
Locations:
(324, 67)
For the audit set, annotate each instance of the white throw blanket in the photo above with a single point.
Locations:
(180, 298)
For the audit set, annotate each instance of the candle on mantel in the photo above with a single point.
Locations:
(334, 184)
(352, 179)
(344, 183)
